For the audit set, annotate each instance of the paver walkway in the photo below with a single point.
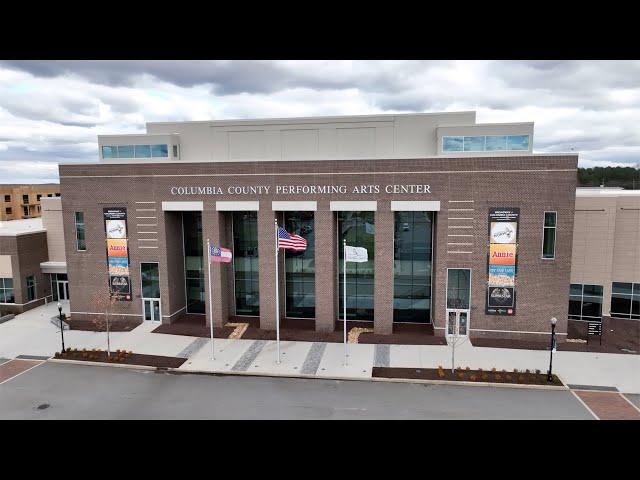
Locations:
(609, 405)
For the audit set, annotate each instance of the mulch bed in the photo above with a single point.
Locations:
(114, 325)
(618, 336)
(465, 375)
(122, 358)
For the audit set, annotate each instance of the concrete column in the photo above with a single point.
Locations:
(213, 228)
(267, 265)
(326, 288)
(383, 283)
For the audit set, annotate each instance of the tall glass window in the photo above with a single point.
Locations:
(625, 300)
(159, 150)
(31, 288)
(300, 268)
(549, 239)
(194, 270)
(458, 288)
(142, 151)
(81, 243)
(245, 263)
(6, 291)
(585, 302)
(150, 280)
(359, 230)
(412, 267)
(125, 151)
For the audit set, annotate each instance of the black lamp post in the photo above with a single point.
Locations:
(61, 326)
(553, 344)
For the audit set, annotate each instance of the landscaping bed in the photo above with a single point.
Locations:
(120, 357)
(467, 375)
(90, 326)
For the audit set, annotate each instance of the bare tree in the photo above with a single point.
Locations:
(103, 303)
(454, 339)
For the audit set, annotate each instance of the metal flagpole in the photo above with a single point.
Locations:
(344, 295)
(213, 355)
(277, 296)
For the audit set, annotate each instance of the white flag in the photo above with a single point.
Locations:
(355, 254)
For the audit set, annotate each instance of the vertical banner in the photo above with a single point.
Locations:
(502, 261)
(115, 226)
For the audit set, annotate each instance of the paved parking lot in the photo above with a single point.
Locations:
(62, 391)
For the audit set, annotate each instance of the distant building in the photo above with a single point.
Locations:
(605, 266)
(33, 267)
(23, 201)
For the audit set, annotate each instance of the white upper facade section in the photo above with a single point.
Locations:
(404, 136)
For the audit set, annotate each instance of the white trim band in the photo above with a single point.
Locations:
(238, 206)
(294, 206)
(415, 206)
(354, 206)
(182, 206)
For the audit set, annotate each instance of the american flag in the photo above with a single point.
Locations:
(291, 241)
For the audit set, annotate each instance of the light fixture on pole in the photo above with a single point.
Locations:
(61, 325)
(552, 348)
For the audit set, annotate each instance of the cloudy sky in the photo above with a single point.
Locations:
(52, 111)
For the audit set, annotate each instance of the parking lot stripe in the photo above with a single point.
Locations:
(585, 405)
(630, 403)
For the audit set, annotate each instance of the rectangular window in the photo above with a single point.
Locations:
(109, 152)
(81, 243)
(25, 199)
(142, 151)
(57, 194)
(193, 261)
(38, 197)
(245, 263)
(518, 142)
(452, 144)
(458, 288)
(6, 291)
(495, 143)
(7, 198)
(25, 211)
(625, 300)
(125, 151)
(412, 267)
(175, 151)
(549, 235)
(585, 302)
(31, 288)
(150, 280)
(358, 228)
(473, 144)
(9, 210)
(160, 151)
(300, 272)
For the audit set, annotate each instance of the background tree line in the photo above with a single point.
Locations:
(626, 177)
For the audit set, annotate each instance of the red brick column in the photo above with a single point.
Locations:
(267, 265)
(213, 228)
(383, 283)
(326, 270)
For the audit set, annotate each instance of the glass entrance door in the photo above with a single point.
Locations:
(458, 301)
(151, 308)
(150, 278)
(63, 290)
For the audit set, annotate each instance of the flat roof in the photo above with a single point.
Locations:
(13, 228)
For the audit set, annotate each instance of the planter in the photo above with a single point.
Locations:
(121, 358)
(462, 375)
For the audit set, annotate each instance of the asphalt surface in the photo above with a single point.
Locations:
(634, 398)
(64, 391)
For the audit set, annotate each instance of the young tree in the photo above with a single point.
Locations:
(103, 303)
(454, 339)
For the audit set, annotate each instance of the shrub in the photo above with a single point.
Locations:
(467, 369)
(515, 370)
(461, 375)
(497, 377)
(527, 371)
(480, 370)
(537, 372)
(521, 378)
(493, 369)
(508, 378)
(485, 376)
(441, 373)
(504, 371)
(473, 378)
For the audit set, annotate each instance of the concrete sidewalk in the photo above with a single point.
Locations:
(31, 333)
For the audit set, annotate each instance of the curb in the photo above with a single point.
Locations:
(104, 364)
(313, 377)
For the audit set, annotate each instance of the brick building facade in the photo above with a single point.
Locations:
(378, 168)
